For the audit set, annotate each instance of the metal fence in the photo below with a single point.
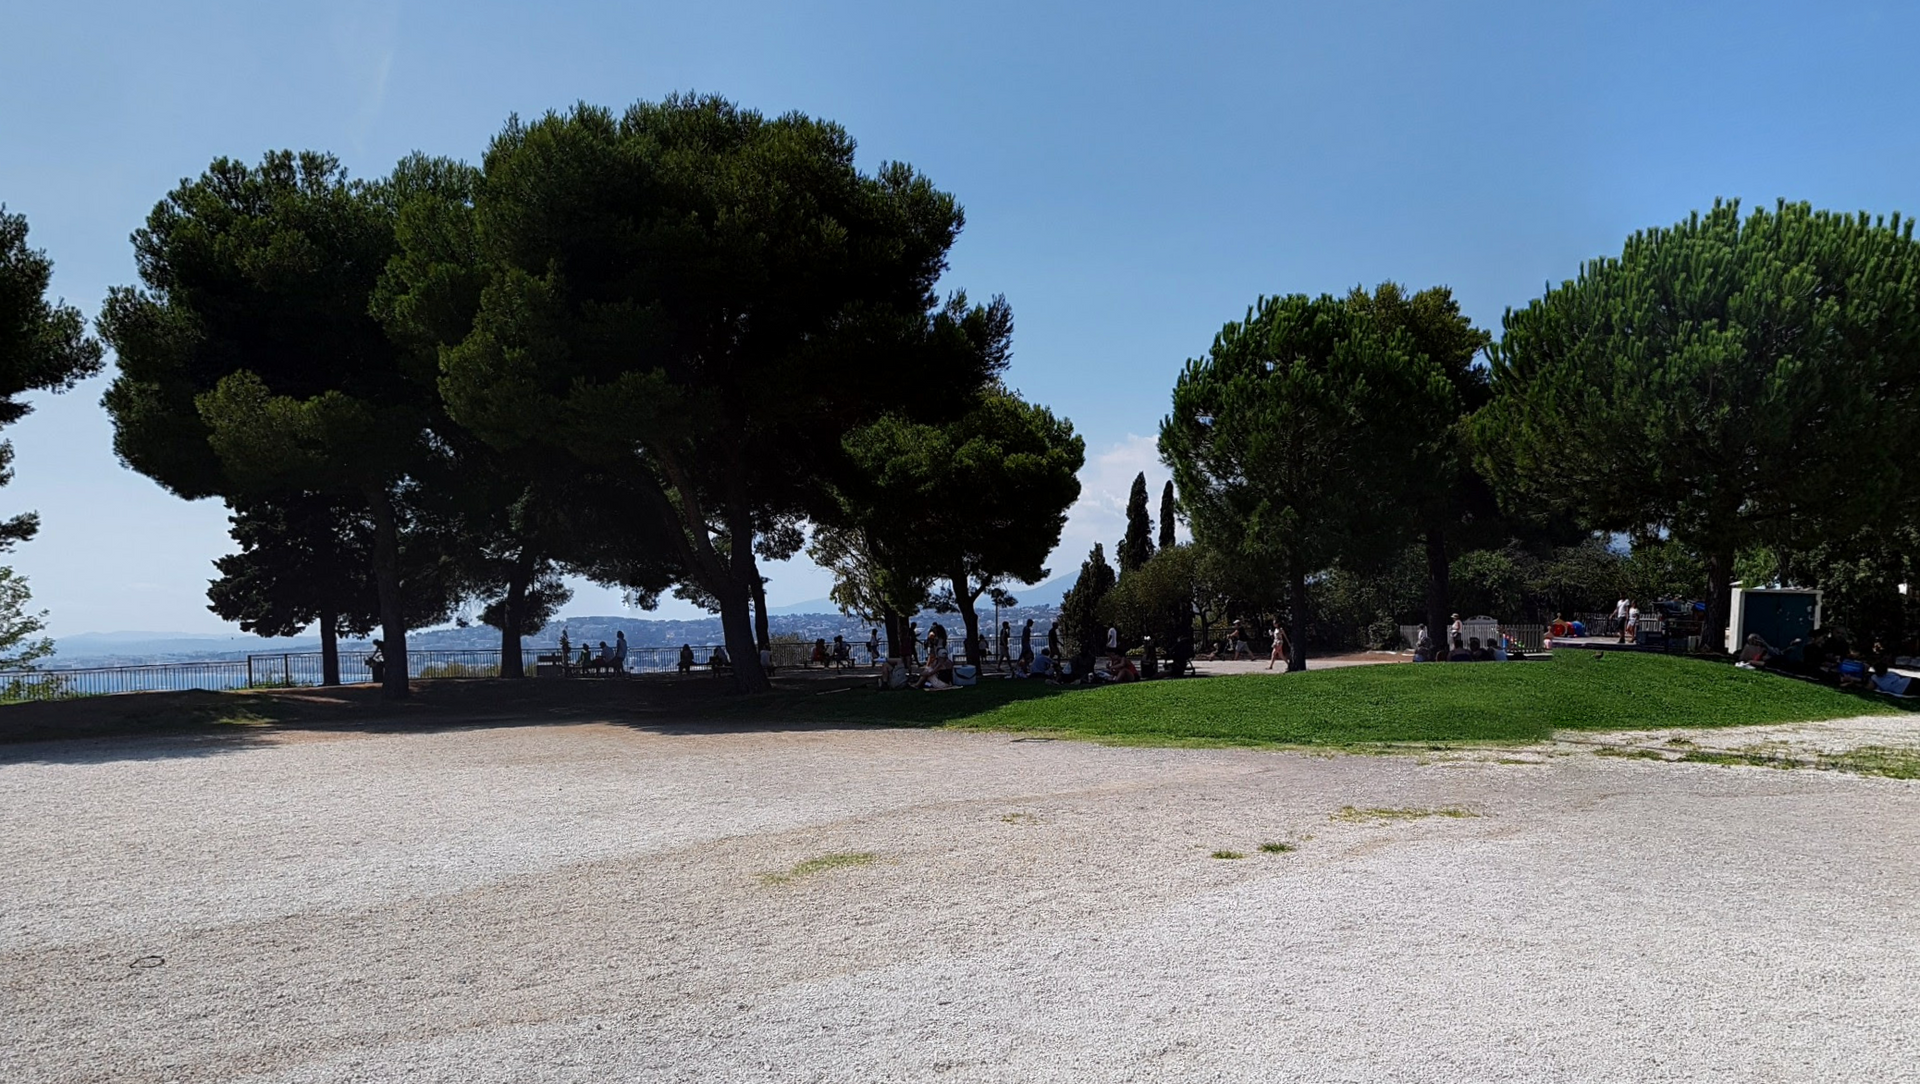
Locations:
(1529, 637)
(98, 681)
(301, 669)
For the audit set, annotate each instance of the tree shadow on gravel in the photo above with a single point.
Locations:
(158, 726)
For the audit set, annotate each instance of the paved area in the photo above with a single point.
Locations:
(596, 902)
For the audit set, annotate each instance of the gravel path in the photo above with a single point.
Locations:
(593, 902)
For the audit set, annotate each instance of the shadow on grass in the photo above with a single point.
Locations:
(865, 703)
(1358, 706)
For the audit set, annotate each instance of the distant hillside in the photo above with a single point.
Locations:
(140, 648)
(1046, 594)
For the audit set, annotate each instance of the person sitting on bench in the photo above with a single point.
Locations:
(686, 658)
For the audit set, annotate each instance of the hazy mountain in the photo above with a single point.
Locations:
(137, 648)
(1048, 593)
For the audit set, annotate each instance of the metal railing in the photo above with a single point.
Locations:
(302, 669)
(215, 674)
(1529, 637)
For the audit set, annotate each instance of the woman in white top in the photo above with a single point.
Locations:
(1281, 649)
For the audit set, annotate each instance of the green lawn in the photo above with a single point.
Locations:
(1513, 702)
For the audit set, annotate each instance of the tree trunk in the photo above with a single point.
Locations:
(1437, 586)
(1297, 624)
(968, 617)
(1713, 635)
(890, 623)
(329, 649)
(513, 615)
(761, 635)
(748, 677)
(386, 575)
(737, 627)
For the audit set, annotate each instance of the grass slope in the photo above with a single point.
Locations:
(1517, 702)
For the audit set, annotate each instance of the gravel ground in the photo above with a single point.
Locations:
(592, 902)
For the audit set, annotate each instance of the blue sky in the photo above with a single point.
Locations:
(1134, 174)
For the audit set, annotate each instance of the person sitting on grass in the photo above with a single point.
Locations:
(1120, 669)
(1477, 651)
(1459, 652)
(1756, 653)
(1042, 664)
(939, 669)
(1885, 681)
(1083, 665)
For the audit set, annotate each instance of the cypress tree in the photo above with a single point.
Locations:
(1137, 546)
(1166, 516)
(1081, 611)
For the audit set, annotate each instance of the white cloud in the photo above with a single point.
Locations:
(365, 37)
(1100, 515)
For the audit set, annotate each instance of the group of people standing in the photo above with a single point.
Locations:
(1626, 621)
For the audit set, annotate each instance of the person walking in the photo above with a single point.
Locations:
(620, 653)
(913, 643)
(1026, 642)
(873, 647)
(1006, 640)
(1053, 640)
(1620, 618)
(1240, 648)
(1113, 640)
(1630, 632)
(1457, 632)
(1281, 649)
